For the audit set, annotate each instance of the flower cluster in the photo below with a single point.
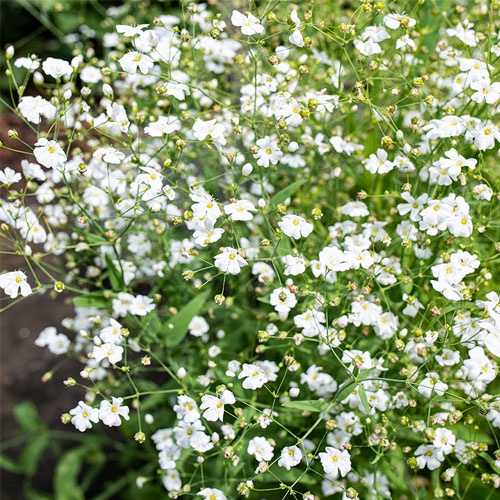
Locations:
(280, 230)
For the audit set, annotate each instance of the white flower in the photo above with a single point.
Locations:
(46, 336)
(379, 163)
(49, 153)
(465, 33)
(355, 209)
(30, 63)
(33, 108)
(110, 413)
(249, 24)
(268, 153)
(239, 210)
(367, 48)
(135, 61)
(335, 461)
(198, 326)
(186, 409)
(59, 344)
(485, 137)
(178, 90)
(57, 67)
(164, 125)
(214, 406)
(113, 333)
(141, 305)
(295, 226)
(263, 271)
(294, 265)
(172, 481)
(482, 192)
(107, 350)
(212, 494)
(432, 385)
(230, 261)
(90, 74)
(205, 233)
(131, 31)
(83, 416)
(283, 301)
(15, 282)
(254, 376)
(109, 155)
(444, 440)
(9, 176)
(203, 129)
(429, 456)
(261, 448)
(485, 91)
(290, 457)
(296, 36)
(394, 21)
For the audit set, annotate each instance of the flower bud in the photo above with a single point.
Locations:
(247, 169)
(107, 90)
(140, 437)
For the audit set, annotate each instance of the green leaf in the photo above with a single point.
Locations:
(26, 415)
(345, 389)
(431, 23)
(114, 274)
(91, 238)
(490, 460)
(9, 465)
(32, 453)
(312, 405)
(99, 299)
(176, 327)
(363, 398)
(285, 193)
(66, 475)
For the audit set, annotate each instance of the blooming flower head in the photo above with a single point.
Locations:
(296, 36)
(15, 283)
(249, 24)
(9, 176)
(203, 129)
(254, 376)
(214, 406)
(112, 333)
(83, 416)
(378, 163)
(33, 108)
(429, 456)
(240, 210)
(230, 261)
(290, 457)
(283, 301)
(131, 31)
(268, 152)
(133, 62)
(110, 413)
(57, 68)
(108, 350)
(261, 448)
(444, 439)
(335, 462)
(295, 226)
(49, 153)
(212, 494)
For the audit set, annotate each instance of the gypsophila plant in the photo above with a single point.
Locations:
(279, 225)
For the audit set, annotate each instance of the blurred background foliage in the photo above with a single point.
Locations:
(47, 28)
